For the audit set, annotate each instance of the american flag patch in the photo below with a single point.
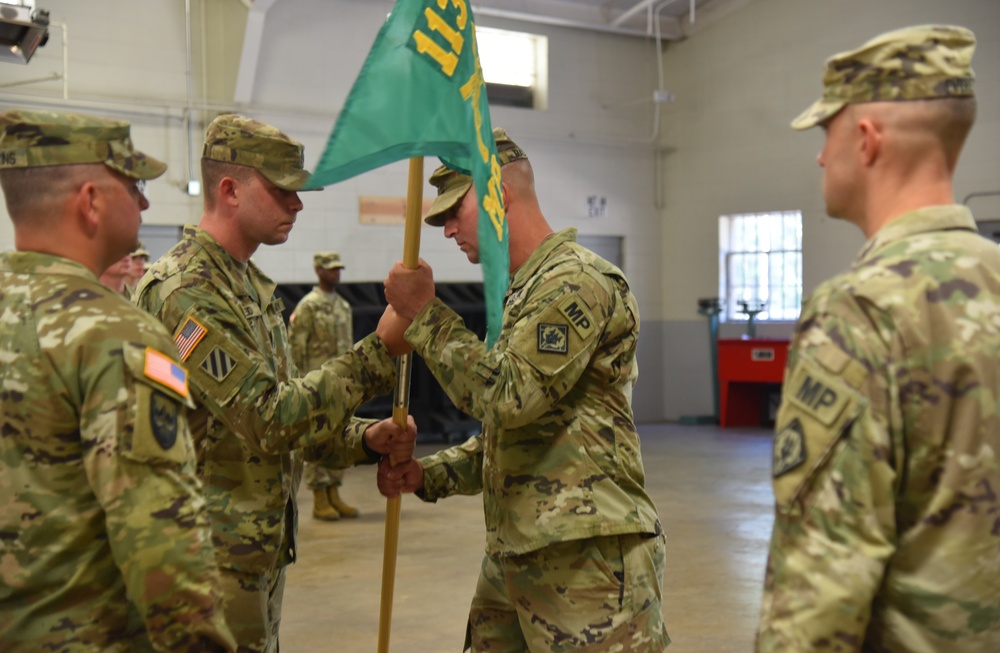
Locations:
(188, 337)
(162, 369)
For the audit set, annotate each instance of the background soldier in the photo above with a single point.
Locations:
(116, 276)
(139, 259)
(254, 419)
(106, 544)
(568, 521)
(885, 469)
(319, 329)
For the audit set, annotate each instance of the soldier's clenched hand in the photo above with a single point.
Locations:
(407, 290)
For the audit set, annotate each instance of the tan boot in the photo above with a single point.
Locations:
(345, 510)
(322, 508)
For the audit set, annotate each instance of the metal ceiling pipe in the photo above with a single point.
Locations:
(558, 22)
(628, 13)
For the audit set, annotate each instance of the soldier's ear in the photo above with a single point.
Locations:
(228, 191)
(90, 202)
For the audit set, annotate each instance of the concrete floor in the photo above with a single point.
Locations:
(711, 487)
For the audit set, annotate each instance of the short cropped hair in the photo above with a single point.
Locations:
(212, 172)
(35, 194)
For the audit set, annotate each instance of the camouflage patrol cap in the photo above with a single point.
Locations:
(914, 63)
(38, 139)
(327, 260)
(452, 186)
(140, 251)
(248, 142)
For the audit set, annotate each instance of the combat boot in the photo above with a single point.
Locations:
(322, 508)
(345, 510)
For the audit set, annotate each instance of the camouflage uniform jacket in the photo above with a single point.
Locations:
(559, 456)
(104, 536)
(887, 527)
(253, 416)
(319, 329)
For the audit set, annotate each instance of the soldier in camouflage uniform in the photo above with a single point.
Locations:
(887, 523)
(138, 260)
(255, 419)
(116, 276)
(319, 329)
(105, 537)
(575, 551)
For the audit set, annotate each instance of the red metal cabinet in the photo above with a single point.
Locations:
(745, 367)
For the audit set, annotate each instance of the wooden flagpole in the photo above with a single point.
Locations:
(401, 400)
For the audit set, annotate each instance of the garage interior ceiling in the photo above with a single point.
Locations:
(677, 18)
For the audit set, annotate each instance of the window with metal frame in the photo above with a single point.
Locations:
(760, 266)
(515, 67)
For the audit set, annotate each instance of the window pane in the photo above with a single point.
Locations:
(507, 57)
(761, 260)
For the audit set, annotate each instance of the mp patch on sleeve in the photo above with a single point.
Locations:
(817, 392)
(578, 314)
(553, 338)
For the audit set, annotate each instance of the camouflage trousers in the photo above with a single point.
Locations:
(252, 605)
(318, 477)
(598, 594)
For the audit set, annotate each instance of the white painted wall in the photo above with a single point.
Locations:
(309, 57)
(739, 82)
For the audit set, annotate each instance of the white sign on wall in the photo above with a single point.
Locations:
(597, 206)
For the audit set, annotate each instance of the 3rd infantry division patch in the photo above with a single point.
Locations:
(218, 364)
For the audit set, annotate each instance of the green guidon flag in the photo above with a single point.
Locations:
(421, 93)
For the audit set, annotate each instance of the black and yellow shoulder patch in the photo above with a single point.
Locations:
(553, 338)
(578, 313)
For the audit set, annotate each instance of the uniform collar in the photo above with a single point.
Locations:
(39, 263)
(925, 220)
(237, 270)
(530, 267)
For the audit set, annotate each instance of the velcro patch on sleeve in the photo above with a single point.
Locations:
(162, 369)
(218, 364)
(188, 337)
(553, 338)
(163, 420)
(817, 393)
(578, 314)
(789, 448)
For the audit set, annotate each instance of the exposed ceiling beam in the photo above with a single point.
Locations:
(628, 13)
(670, 27)
(252, 37)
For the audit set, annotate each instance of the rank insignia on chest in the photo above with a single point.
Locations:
(553, 338)
(789, 449)
(218, 364)
(163, 419)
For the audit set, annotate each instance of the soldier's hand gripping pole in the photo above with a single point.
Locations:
(401, 401)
